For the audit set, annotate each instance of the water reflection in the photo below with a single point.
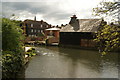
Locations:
(93, 62)
(55, 62)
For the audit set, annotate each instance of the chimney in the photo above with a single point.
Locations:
(62, 25)
(41, 21)
(74, 22)
(73, 19)
(57, 26)
(35, 18)
(50, 25)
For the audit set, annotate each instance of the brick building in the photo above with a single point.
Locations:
(80, 32)
(52, 35)
(33, 28)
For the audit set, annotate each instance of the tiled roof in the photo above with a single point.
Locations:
(35, 23)
(85, 25)
(67, 28)
(89, 25)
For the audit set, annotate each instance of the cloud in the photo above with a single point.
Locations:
(53, 11)
(29, 0)
(27, 9)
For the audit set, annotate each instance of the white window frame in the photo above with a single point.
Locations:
(32, 30)
(41, 26)
(31, 25)
(35, 30)
(38, 30)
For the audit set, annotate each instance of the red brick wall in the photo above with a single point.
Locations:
(87, 43)
(55, 33)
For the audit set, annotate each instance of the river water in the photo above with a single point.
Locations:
(56, 62)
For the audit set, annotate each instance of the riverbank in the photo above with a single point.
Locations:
(29, 53)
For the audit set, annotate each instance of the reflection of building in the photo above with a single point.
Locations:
(80, 32)
(33, 28)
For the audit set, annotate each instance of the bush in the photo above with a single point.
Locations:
(12, 47)
(31, 52)
(11, 64)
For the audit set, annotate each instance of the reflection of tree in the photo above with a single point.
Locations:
(21, 74)
(73, 68)
(90, 59)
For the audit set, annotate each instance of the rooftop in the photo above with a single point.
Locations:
(82, 25)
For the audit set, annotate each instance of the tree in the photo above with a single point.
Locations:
(12, 48)
(11, 35)
(108, 9)
(108, 36)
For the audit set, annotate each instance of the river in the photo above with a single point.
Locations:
(56, 62)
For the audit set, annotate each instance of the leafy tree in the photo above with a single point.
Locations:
(108, 36)
(11, 35)
(12, 46)
(108, 9)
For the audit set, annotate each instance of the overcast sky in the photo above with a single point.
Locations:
(55, 12)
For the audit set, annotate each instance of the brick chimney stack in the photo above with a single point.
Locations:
(73, 19)
(74, 22)
(35, 18)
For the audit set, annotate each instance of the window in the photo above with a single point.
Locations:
(31, 25)
(41, 31)
(38, 30)
(41, 26)
(34, 30)
(51, 33)
(32, 35)
(31, 30)
(29, 35)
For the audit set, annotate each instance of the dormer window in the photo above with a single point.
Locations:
(31, 25)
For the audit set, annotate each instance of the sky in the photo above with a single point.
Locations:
(55, 12)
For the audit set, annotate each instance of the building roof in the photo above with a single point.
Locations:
(89, 25)
(67, 28)
(35, 23)
(53, 29)
(84, 25)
